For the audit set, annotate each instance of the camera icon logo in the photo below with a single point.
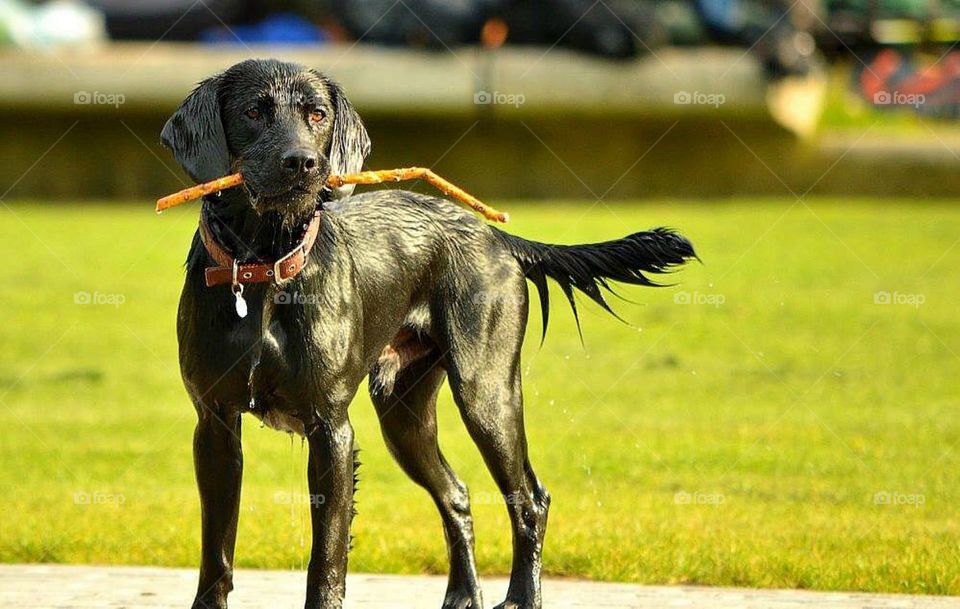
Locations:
(482, 98)
(82, 98)
(682, 98)
(881, 98)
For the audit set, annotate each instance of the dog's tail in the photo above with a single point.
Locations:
(591, 267)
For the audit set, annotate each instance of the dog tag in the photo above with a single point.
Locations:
(241, 303)
(241, 306)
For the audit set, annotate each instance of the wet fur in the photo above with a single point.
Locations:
(406, 289)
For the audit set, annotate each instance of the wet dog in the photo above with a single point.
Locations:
(403, 288)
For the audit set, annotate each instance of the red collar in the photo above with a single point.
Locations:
(285, 268)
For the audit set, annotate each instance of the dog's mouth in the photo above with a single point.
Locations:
(302, 186)
(289, 197)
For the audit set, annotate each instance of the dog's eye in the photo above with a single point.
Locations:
(253, 113)
(317, 115)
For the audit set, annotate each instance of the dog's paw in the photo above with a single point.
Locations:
(462, 600)
(510, 604)
(204, 603)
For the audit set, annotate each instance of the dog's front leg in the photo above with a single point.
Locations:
(218, 461)
(330, 476)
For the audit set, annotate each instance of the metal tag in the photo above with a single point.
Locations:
(241, 306)
(241, 303)
(238, 292)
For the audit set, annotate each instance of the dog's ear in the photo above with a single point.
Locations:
(349, 143)
(195, 134)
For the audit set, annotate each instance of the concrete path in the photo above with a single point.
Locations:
(69, 587)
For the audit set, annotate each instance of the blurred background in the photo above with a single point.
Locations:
(786, 415)
(515, 85)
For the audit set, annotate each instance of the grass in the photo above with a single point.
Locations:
(750, 438)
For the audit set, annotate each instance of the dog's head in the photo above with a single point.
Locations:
(286, 128)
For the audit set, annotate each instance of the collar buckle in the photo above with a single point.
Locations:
(286, 262)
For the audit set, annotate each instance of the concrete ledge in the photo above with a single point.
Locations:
(587, 128)
(516, 122)
(383, 81)
(76, 587)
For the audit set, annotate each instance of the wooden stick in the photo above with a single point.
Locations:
(335, 181)
(198, 191)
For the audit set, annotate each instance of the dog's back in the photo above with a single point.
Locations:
(425, 235)
(419, 246)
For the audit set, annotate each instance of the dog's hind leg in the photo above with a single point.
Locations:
(484, 370)
(407, 410)
(493, 411)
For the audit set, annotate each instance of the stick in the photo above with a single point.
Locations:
(335, 181)
(198, 191)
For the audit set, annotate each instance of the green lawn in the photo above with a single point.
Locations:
(780, 430)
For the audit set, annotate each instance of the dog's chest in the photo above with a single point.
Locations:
(301, 366)
(271, 387)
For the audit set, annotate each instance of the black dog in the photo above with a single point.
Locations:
(406, 288)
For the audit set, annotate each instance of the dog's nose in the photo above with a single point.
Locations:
(300, 160)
